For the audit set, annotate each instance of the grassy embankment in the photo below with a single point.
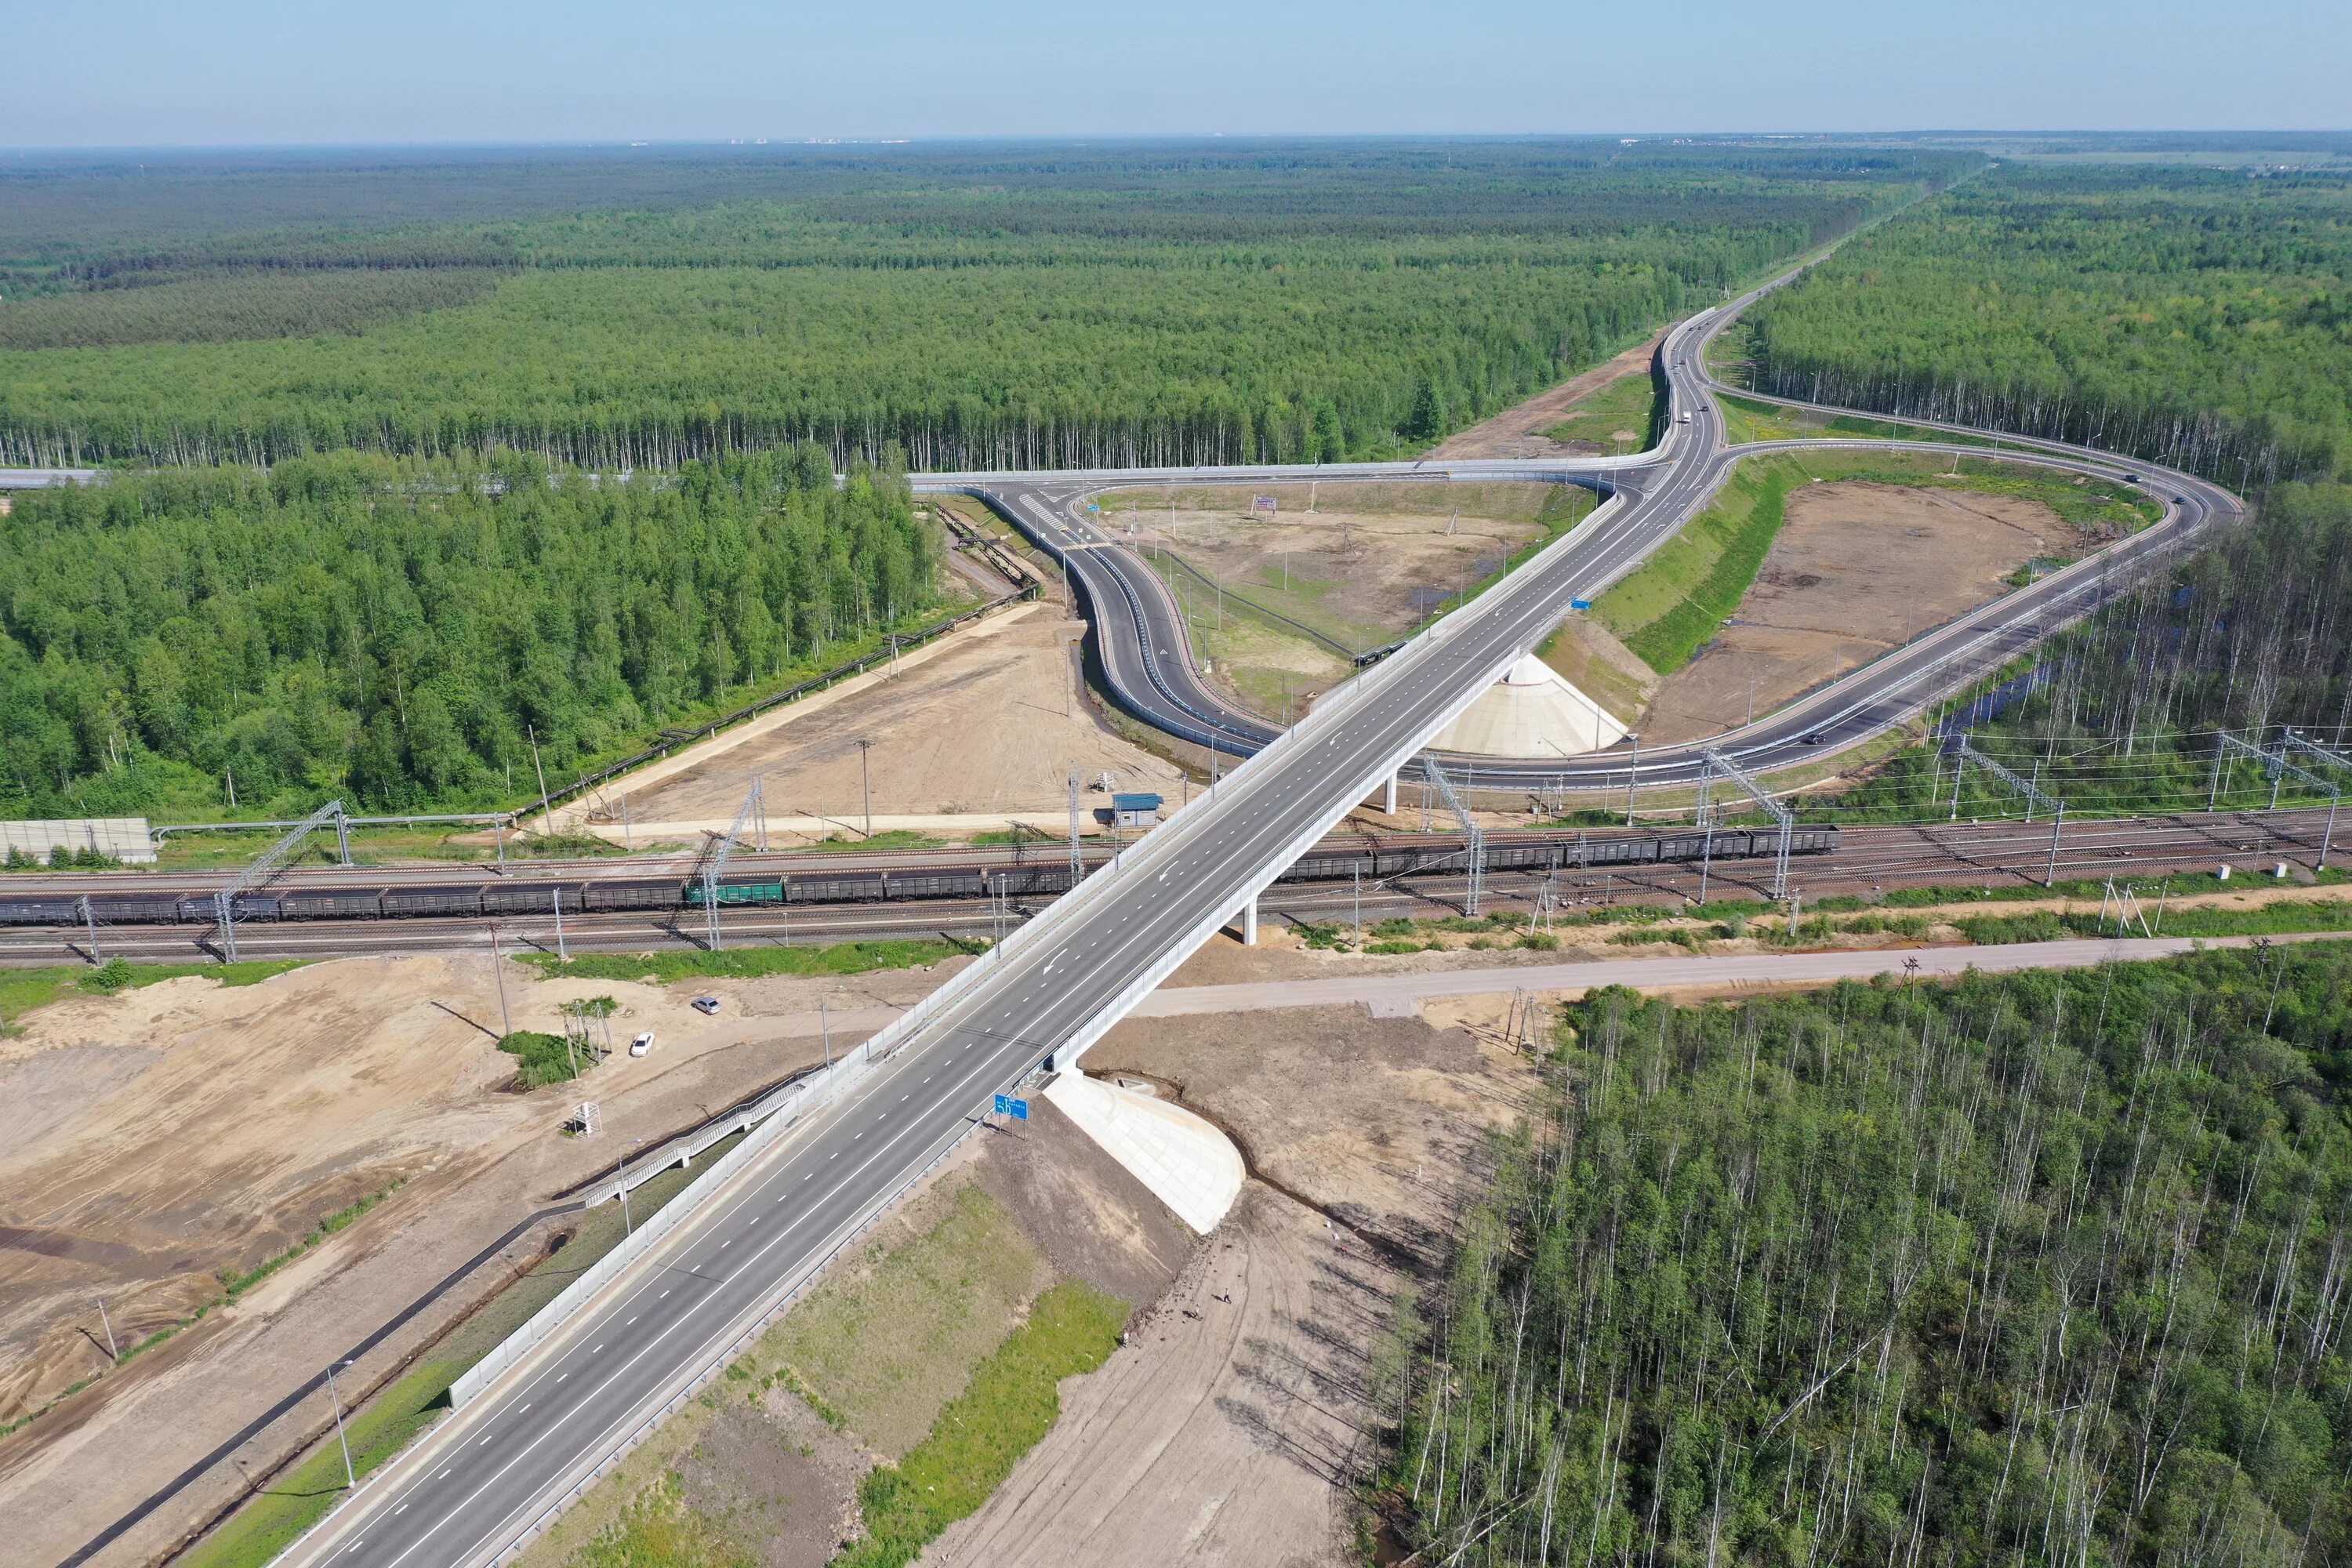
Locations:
(1670, 609)
(938, 1350)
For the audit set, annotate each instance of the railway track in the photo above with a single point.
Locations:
(1866, 859)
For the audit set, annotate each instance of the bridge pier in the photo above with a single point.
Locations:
(1388, 796)
(1249, 922)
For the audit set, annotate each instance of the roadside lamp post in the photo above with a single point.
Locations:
(621, 1181)
(1633, 775)
(351, 1477)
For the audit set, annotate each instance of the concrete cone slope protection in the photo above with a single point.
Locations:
(1188, 1164)
(1530, 712)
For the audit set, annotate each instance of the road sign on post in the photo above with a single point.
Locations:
(1017, 1109)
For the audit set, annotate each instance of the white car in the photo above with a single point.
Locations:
(642, 1045)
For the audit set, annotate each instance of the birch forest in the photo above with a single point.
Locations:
(2048, 1269)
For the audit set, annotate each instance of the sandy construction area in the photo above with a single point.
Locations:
(990, 725)
(1856, 569)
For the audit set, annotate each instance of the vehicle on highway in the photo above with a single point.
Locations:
(1812, 738)
(642, 1045)
(1683, 420)
(706, 1006)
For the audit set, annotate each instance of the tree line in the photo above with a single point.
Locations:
(2048, 1267)
(1037, 310)
(2197, 317)
(399, 632)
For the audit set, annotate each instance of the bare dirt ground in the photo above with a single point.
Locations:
(1856, 569)
(990, 725)
(184, 1129)
(1518, 432)
(1232, 1425)
(1361, 564)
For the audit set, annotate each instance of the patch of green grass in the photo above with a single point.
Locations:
(542, 1058)
(23, 990)
(746, 963)
(892, 838)
(1011, 1401)
(659, 1530)
(1628, 405)
(1672, 606)
(2266, 919)
(888, 1339)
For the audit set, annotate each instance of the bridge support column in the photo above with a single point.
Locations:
(1249, 922)
(1388, 796)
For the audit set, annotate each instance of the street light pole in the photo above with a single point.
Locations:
(351, 1477)
(1632, 776)
(621, 1181)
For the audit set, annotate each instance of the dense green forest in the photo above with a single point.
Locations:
(397, 630)
(2051, 1268)
(982, 308)
(2201, 317)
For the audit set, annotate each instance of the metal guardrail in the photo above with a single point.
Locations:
(766, 1119)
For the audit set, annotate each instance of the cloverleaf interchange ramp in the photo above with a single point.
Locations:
(492, 1475)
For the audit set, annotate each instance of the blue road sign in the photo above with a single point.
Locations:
(1020, 1109)
(1580, 604)
(1003, 1105)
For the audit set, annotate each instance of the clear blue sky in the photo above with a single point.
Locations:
(242, 72)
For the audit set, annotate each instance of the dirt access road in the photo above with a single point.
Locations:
(1856, 569)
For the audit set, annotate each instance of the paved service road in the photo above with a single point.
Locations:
(476, 1486)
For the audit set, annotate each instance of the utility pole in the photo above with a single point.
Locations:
(111, 1347)
(1633, 775)
(89, 923)
(546, 812)
(865, 783)
(498, 971)
(1360, 903)
(1078, 855)
(555, 901)
(825, 1025)
(351, 1477)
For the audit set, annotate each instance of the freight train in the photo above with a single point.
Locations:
(1375, 858)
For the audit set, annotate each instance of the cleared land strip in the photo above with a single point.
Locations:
(1390, 995)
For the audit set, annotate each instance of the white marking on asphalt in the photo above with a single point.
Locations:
(400, 1509)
